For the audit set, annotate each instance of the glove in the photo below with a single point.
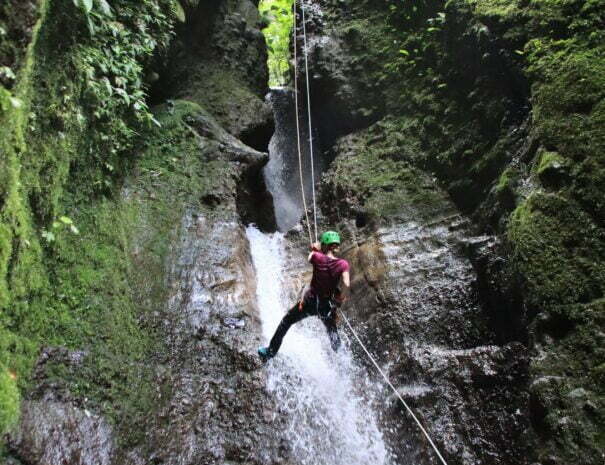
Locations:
(339, 299)
(315, 247)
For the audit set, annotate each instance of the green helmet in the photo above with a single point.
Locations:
(330, 237)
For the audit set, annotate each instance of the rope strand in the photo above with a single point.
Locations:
(388, 381)
(306, 49)
(300, 167)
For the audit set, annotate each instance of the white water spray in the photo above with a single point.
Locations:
(324, 395)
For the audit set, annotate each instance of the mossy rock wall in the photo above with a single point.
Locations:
(65, 270)
(502, 102)
(93, 188)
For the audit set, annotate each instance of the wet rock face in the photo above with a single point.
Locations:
(420, 302)
(213, 407)
(53, 433)
(414, 297)
(453, 94)
(207, 399)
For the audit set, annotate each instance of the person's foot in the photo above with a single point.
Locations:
(264, 353)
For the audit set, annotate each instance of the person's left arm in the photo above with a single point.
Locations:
(345, 288)
(315, 247)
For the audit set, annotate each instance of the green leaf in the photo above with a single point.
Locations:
(15, 102)
(50, 237)
(178, 11)
(7, 73)
(74, 230)
(404, 52)
(84, 5)
(65, 220)
(104, 7)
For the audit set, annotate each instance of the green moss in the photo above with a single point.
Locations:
(374, 174)
(109, 278)
(507, 180)
(9, 400)
(497, 8)
(569, 391)
(557, 250)
(225, 96)
(548, 161)
(64, 151)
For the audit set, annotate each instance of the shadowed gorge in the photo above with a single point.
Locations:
(146, 165)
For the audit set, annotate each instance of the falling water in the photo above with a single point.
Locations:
(282, 172)
(324, 395)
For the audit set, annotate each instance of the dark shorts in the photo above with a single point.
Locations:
(311, 305)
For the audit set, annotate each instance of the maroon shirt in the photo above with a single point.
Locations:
(326, 274)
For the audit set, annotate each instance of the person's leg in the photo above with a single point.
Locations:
(327, 314)
(294, 315)
(330, 325)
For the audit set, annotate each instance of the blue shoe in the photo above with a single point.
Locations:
(264, 353)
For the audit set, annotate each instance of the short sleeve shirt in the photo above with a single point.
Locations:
(326, 274)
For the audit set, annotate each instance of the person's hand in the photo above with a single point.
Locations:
(339, 299)
(316, 247)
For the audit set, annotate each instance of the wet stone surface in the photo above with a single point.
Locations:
(54, 433)
(415, 302)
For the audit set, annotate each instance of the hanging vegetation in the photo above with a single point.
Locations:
(277, 14)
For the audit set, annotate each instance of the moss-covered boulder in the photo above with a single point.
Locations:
(558, 251)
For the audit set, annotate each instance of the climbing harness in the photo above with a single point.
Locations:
(302, 188)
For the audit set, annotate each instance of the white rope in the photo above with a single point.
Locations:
(300, 168)
(302, 7)
(386, 378)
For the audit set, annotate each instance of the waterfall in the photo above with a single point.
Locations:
(282, 173)
(325, 395)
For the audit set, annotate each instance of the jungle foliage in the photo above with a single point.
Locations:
(72, 109)
(277, 14)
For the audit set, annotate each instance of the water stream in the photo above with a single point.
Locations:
(282, 172)
(324, 395)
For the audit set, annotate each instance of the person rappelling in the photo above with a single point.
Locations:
(324, 296)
